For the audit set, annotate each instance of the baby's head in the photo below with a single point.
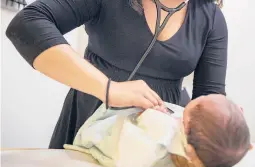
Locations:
(217, 130)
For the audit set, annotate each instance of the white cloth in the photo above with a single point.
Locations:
(124, 138)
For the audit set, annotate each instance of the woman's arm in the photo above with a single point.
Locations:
(210, 73)
(63, 64)
(37, 33)
(42, 24)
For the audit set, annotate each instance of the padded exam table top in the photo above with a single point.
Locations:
(46, 158)
(67, 158)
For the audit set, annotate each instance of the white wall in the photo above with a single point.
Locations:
(240, 16)
(31, 102)
(240, 83)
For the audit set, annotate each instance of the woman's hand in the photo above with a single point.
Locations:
(133, 93)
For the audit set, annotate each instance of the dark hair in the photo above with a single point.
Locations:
(137, 4)
(220, 138)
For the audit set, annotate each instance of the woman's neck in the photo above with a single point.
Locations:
(180, 161)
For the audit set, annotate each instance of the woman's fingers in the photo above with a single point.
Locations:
(160, 101)
(160, 108)
(143, 102)
(153, 96)
(156, 96)
(133, 93)
(149, 95)
(163, 109)
(154, 99)
(153, 93)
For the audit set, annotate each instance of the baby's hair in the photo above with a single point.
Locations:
(219, 134)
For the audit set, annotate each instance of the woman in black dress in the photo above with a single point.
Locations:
(194, 39)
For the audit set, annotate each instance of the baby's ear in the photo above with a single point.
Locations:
(251, 147)
(187, 129)
(187, 126)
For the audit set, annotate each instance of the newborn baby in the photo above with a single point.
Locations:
(216, 128)
(212, 124)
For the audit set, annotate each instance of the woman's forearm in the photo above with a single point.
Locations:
(64, 65)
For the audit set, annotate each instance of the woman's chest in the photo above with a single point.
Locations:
(124, 36)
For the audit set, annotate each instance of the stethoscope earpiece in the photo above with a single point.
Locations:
(167, 9)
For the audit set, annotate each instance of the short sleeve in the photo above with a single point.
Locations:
(43, 23)
(210, 73)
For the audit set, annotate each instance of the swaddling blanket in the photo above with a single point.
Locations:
(125, 138)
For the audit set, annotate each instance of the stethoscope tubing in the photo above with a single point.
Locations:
(158, 29)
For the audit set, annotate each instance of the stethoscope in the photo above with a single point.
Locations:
(158, 30)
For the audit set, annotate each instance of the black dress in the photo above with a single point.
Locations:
(118, 36)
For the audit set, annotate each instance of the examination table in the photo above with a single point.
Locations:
(67, 158)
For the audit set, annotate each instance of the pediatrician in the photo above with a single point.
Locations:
(194, 39)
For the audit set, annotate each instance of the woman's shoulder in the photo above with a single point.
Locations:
(206, 12)
(204, 5)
